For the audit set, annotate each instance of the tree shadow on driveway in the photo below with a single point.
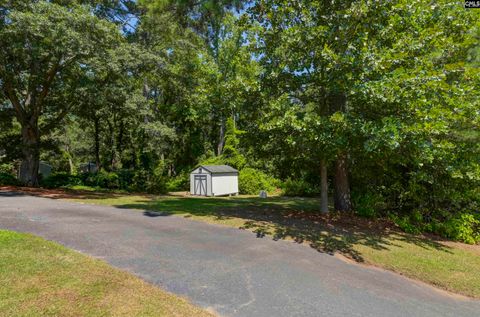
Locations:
(294, 219)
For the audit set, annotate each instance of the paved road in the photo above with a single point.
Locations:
(226, 269)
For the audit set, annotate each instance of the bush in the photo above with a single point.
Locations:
(156, 184)
(406, 224)
(139, 181)
(61, 179)
(299, 187)
(7, 168)
(125, 178)
(7, 179)
(104, 179)
(251, 181)
(367, 204)
(179, 183)
(464, 227)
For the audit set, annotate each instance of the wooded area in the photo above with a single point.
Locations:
(372, 103)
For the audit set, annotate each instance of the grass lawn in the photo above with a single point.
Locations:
(42, 278)
(451, 266)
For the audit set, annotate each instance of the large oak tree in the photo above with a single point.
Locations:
(45, 50)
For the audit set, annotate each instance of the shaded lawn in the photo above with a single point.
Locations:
(444, 264)
(42, 278)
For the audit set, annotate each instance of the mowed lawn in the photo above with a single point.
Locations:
(42, 278)
(451, 266)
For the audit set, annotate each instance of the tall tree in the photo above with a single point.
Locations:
(338, 57)
(212, 21)
(45, 48)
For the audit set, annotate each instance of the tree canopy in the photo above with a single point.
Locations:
(374, 104)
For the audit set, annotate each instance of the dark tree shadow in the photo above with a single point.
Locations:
(149, 213)
(294, 219)
(280, 218)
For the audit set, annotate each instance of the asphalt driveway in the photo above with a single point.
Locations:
(226, 269)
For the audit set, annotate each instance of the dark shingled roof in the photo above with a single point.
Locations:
(214, 169)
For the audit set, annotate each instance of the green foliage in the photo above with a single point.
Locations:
(61, 179)
(157, 182)
(464, 227)
(369, 204)
(406, 224)
(231, 155)
(178, 183)
(213, 160)
(7, 176)
(290, 83)
(48, 48)
(251, 181)
(299, 187)
(7, 179)
(129, 180)
(104, 179)
(139, 181)
(7, 168)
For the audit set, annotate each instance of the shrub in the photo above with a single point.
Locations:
(299, 187)
(108, 180)
(178, 183)
(103, 179)
(61, 179)
(125, 178)
(251, 181)
(139, 181)
(7, 168)
(156, 184)
(405, 223)
(367, 204)
(8, 179)
(464, 227)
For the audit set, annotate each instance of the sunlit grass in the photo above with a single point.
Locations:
(42, 278)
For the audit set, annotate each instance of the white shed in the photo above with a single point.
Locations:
(214, 180)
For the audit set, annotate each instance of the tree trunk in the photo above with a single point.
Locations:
(323, 187)
(97, 142)
(70, 161)
(31, 155)
(120, 138)
(71, 166)
(342, 198)
(221, 139)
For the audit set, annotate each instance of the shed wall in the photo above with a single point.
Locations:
(224, 184)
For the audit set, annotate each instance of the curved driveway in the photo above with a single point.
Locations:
(226, 269)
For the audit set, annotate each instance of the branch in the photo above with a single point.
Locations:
(10, 93)
(49, 77)
(49, 126)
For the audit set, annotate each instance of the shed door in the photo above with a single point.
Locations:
(200, 185)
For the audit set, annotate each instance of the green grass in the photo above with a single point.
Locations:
(86, 188)
(83, 188)
(451, 266)
(42, 278)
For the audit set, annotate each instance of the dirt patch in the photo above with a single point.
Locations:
(469, 247)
